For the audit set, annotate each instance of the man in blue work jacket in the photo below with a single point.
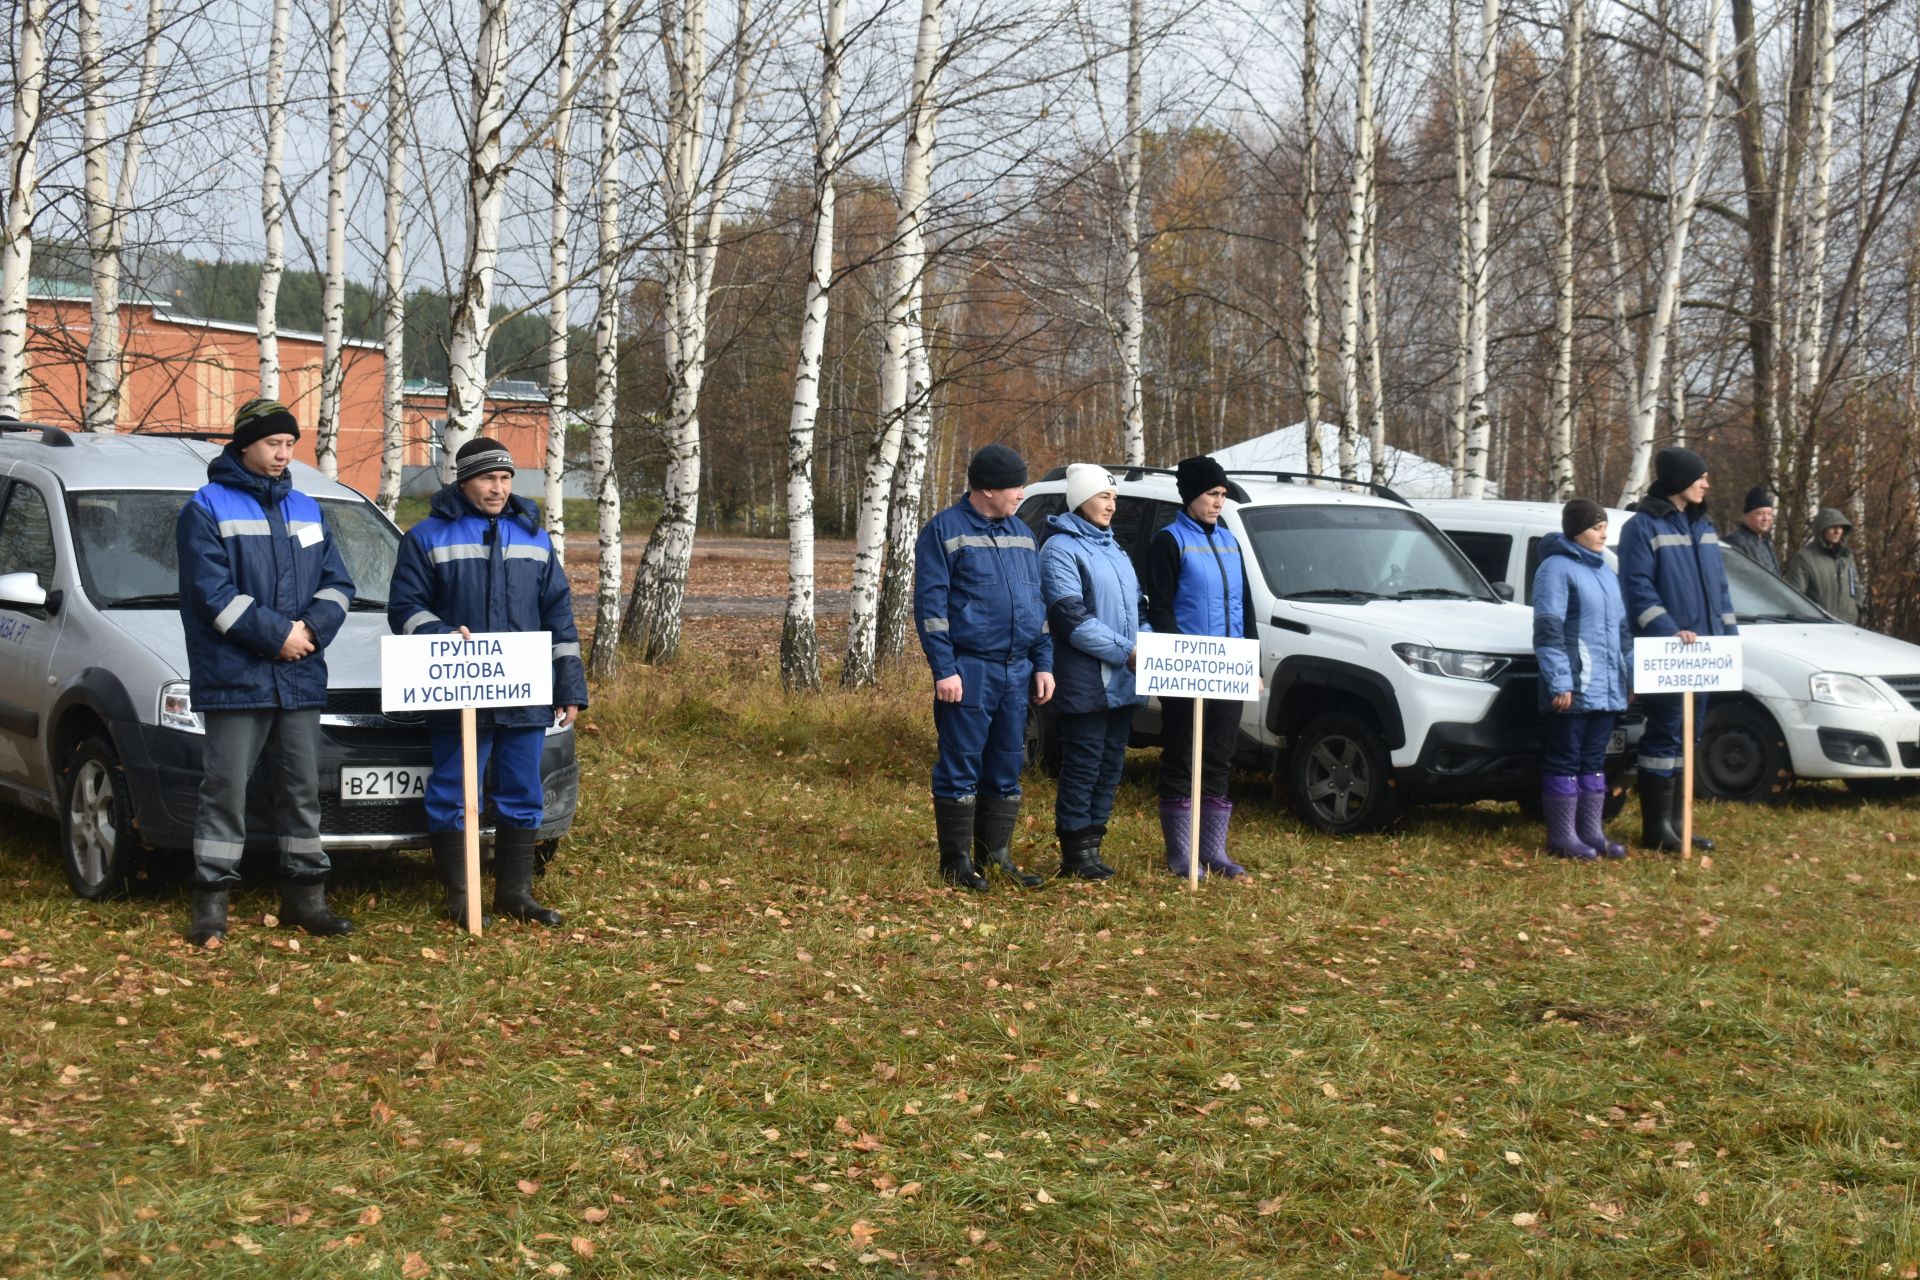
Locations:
(263, 591)
(1674, 584)
(983, 625)
(481, 561)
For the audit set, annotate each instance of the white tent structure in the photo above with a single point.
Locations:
(1408, 474)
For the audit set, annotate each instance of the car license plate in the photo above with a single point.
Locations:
(1616, 742)
(362, 784)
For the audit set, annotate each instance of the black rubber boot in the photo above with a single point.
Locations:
(209, 923)
(450, 864)
(513, 877)
(1080, 855)
(993, 825)
(1099, 863)
(1656, 813)
(305, 906)
(1700, 842)
(953, 830)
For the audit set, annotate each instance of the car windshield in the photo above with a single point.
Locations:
(125, 544)
(1357, 553)
(1758, 596)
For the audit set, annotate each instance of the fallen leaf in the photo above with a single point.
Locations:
(370, 1216)
(527, 1186)
(414, 1267)
(1042, 1196)
(1266, 1208)
(862, 1233)
(583, 1246)
(1526, 1219)
(595, 1215)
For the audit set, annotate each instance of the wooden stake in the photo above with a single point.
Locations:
(470, 791)
(1686, 776)
(1193, 794)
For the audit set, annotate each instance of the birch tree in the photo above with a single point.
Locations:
(1479, 260)
(1811, 317)
(604, 658)
(16, 253)
(1463, 257)
(393, 305)
(333, 303)
(652, 622)
(1560, 438)
(557, 280)
(1680, 207)
(273, 261)
(1133, 429)
(799, 637)
(860, 668)
(107, 202)
(1353, 246)
(1310, 232)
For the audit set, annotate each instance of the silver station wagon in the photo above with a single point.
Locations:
(97, 726)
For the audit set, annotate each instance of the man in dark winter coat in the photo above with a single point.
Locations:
(1753, 536)
(263, 591)
(482, 562)
(1674, 585)
(983, 626)
(1824, 570)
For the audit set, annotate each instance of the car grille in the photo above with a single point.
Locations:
(366, 702)
(353, 719)
(405, 818)
(1910, 755)
(1907, 687)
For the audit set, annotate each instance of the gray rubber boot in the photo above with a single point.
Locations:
(513, 877)
(209, 921)
(305, 906)
(993, 823)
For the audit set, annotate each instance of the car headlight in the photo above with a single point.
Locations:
(1457, 663)
(176, 709)
(1841, 690)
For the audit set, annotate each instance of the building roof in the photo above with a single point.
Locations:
(499, 389)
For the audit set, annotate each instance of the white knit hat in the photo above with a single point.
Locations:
(1084, 479)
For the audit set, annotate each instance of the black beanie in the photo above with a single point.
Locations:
(257, 419)
(480, 455)
(1675, 469)
(1195, 476)
(996, 467)
(1757, 497)
(1580, 515)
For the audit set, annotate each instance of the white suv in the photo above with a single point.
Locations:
(1394, 673)
(1822, 700)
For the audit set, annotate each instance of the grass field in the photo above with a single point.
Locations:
(767, 1045)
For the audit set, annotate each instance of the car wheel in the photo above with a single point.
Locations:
(1743, 756)
(1043, 741)
(1616, 801)
(98, 844)
(1340, 776)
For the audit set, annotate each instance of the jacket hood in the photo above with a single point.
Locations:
(1558, 544)
(1828, 518)
(227, 469)
(451, 504)
(1080, 527)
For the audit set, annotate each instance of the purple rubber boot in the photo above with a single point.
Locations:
(1559, 802)
(1175, 815)
(1214, 814)
(1590, 817)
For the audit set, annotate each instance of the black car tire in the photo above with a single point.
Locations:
(1340, 776)
(99, 847)
(1043, 741)
(1743, 756)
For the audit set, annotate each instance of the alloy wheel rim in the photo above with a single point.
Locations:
(90, 821)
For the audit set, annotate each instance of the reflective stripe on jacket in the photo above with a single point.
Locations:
(1670, 572)
(976, 589)
(1209, 590)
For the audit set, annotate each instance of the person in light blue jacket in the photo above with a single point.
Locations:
(1585, 650)
(1093, 611)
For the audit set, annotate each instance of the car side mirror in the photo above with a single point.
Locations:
(22, 589)
(1504, 590)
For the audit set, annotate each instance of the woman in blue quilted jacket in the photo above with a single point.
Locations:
(1584, 646)
(1093, 611)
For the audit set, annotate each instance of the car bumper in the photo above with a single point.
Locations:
(1826, 741)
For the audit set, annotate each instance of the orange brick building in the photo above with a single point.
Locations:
(182, 374)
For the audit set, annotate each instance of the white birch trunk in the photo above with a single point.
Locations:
(799, 635)
(859, 668)
(393, 437)
(1370, 334)
(273, 261)
(604, 658)
(1310, 234)
(653, 612)
(16, 252)
(1133, 429)
(1560, 436)
(1463, 258)
(333, 300)
(1813, 264)
(1479, 214)
(1680, 208)
(486, 187)
(1623, 342)
(558, 226)
(903, 513)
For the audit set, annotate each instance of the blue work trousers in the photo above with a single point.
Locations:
(1093, 750)
(1574, 742)
(1660, 744)
(514, 786)
(983, 737)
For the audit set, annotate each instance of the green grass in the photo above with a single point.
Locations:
(767, 1045)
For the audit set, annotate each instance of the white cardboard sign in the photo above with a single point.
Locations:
(446, 673)
(1176, 666)
(1711, 664)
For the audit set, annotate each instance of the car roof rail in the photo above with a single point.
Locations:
(1239, 494)
(57, 437)
(183, 433)
(1132, 471)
